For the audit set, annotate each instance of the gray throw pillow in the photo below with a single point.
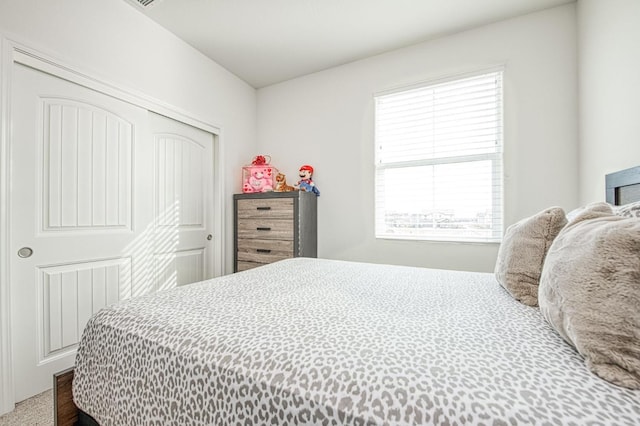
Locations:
(580, 212)
(590, 293)
(523, 251)
(628, 210)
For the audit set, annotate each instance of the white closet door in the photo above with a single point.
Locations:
(97, 213)
(183, 202)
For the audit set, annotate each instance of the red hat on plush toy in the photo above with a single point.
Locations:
(307, 167)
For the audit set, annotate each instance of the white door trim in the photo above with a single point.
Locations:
(13, 51)
(7, 399)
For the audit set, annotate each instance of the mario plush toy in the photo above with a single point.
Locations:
(305, 183)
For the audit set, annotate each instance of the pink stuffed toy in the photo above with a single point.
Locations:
(258, 176)
(259, 180)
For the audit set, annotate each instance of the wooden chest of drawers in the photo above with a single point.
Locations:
(272, 226)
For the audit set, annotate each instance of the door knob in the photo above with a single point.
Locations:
(209, 237)
(25, 252)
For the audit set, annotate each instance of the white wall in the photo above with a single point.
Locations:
(609, 64)
(111, 40)
(326, 119)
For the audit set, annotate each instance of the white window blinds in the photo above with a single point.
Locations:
(439, 161)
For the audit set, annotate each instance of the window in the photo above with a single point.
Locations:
(439, 161)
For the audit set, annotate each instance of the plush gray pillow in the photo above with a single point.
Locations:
(589, 209)
(522, 253)
(590, 293)
(628, 210)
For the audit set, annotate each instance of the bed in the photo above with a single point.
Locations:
(314, 341)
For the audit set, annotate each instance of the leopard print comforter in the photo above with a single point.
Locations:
(310, 341)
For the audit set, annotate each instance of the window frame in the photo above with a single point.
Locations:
(496, 158)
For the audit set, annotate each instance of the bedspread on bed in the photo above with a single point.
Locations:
(308, 341)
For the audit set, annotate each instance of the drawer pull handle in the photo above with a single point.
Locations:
(263, 208)
(263, 250)
(261, 228)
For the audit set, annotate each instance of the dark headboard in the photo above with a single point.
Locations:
(623, 187)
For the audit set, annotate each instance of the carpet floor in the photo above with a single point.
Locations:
(37, 410)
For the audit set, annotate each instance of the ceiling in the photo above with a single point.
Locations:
(269, 41)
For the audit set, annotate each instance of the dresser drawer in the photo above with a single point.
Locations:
(275, 208)
(264, 251)
(280, 229)
(243, 266)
